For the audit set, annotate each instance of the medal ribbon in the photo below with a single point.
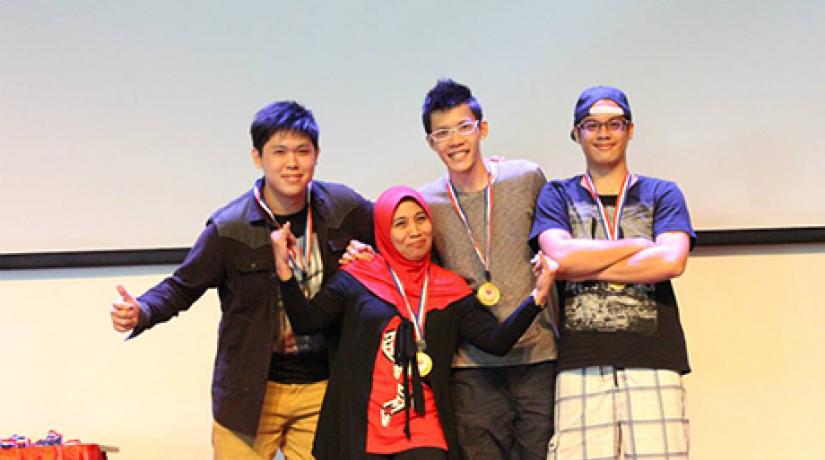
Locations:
(488, 221)
(418, 321)
(300, 261)
(611, 229)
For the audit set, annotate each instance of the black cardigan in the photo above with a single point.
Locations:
(342, 426)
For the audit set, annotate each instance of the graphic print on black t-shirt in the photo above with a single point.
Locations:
(608, 324)
(598, 306)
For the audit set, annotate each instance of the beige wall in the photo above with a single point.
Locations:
(755, 322)
(67, 369)
(751, 316)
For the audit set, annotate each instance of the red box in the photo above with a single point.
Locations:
(69, 452)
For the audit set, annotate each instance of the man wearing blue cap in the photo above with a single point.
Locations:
(618, 238)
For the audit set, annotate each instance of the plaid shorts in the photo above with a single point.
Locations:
(607, 413)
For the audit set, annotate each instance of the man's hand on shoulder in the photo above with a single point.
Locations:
(357, 250)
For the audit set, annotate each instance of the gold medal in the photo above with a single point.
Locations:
(488, 294)
(425, 363)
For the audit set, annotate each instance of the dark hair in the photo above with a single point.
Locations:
(283, 116)
(445, 95)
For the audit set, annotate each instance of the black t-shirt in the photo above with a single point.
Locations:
(304, 366)
(625, 325)
(298, 221)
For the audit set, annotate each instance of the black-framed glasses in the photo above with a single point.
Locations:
(614, 125)
(465, 128)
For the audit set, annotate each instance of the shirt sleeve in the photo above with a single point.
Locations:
(671, 213)
(551, 212)
(358, 220)
(364, 216)
(539, 180)
(202, 269)
(477, 325)
(310, 316)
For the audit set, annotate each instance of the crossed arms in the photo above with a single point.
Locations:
(632, 260)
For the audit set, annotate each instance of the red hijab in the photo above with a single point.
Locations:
(444, 287)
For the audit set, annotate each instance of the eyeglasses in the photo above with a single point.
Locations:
(614, 125)
(465, 129)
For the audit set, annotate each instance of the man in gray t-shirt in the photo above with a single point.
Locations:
(482, 214)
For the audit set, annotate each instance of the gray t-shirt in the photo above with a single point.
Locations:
(516, 184)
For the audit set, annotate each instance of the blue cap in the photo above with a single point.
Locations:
(594, 94)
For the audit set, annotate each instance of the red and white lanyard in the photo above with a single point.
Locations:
(488, 222)
(417, 320)
(300, 261)
(611, 227)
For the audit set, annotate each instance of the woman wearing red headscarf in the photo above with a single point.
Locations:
(401, 318)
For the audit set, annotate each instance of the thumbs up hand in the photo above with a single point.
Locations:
(125, 312)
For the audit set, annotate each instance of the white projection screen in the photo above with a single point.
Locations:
(123, 125)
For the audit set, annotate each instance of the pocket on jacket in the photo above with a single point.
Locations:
(255, 284)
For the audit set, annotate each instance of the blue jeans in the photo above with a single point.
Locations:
(504, 413)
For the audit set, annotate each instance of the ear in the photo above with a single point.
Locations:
(483, 128)
(575, 133)
(630, 127)
(256, 158)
